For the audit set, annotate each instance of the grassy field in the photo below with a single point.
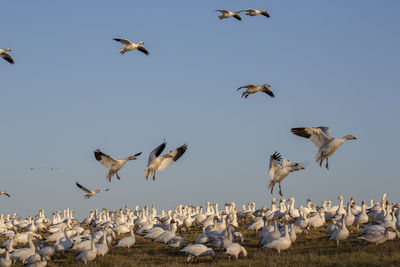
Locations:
(309, 250)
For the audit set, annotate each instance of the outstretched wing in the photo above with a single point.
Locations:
(274, 163)
(143, 50)
(123, 41)
(223, 11)
(248, 86)
(268, 92)
(83, 188)
(156, 152)
(104, 159)
(5, 193)
(317, 135)
(172, 156)
(7, 57)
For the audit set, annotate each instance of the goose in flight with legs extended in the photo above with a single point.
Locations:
(159, 163)
(255, 12)
(323, 140)
(228, 14)
(129, 46)
(253, 88)
(4, 193)
(89, 192)
(114, 165)
(5, 55)
(279, 169)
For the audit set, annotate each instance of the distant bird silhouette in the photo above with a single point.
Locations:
(253, 88)
(89, 192)
(228, 14)
(129, 46)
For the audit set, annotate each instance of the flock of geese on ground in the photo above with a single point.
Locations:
(276, 228)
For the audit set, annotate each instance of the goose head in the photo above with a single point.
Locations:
(264, 13)
(350, 137)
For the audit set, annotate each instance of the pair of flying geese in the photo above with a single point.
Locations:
(225, 14)
(157, 162)
(322, 139)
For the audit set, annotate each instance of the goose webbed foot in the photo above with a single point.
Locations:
(118, 176)
(280, 190)
(327, 164)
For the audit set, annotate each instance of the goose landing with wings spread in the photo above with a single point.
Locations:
(129, 46)
(90, 193)
(279, 169)
(114, 165)
(323, 140)
(159, 163)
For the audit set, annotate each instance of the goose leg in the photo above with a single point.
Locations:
(118, 176)
(280, 190)
(327, 165)
(154, 176)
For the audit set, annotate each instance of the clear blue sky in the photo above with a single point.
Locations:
(330, 63)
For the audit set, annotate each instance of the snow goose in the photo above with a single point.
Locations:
(89, 192)
(177, 241)
(5, 55)
(228, 14)
(362, 217)
(102, 247)
(158, 163)
(24, 253)
(253, 88)
(4, 193)
(128, 241)
(129, 46)
(323, 140)
(235, 249)
(166, 235)
(114, 165)
(282, 243)
(255, 12)
(89, 254)
(279, 169)
(342, 233)
(194, 251)
(378, 237)
(6, 261)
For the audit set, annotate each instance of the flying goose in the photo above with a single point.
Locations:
(253, 88)
(227, 14)
(129, 46)
(159, 163)
(5, 55)
(323, 140)
(90, 193)
(255, 12)
(114, 165)
(279, 169)
(4, 193)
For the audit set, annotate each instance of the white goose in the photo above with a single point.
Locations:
(114, 165)
(282, 243)
(177, 241)
(279, 169)
(194, 251)
(323, 140)
(235, 249)
(4, 193)
(228, 14)
(129, 46)
(5, 55)
(255, 12)
(340, 234)
(362, 217)
(158, 163)
(128, 241)
(89, 254)
(89, 192)
(253, 88)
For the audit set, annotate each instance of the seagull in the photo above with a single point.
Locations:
(279, 169)
(5, 55)
(129, 46)
(90, 193)
(255, 12)
(323, 140)
(227, 14)
(159, 163)
(253, 88)
(114, 165)
(4, 193)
